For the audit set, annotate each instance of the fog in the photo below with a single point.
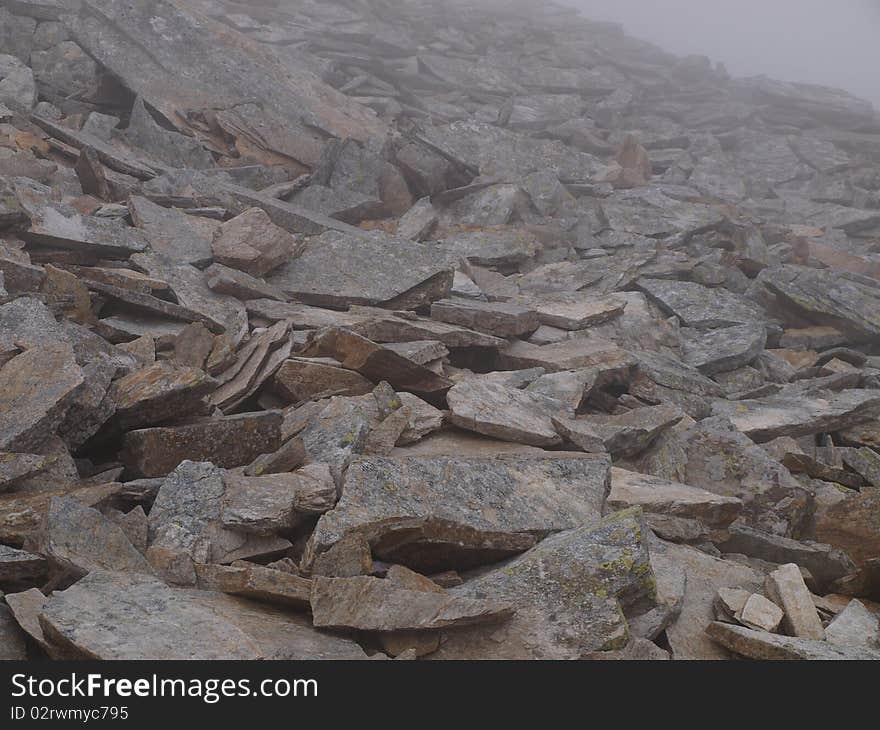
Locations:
(831, 42)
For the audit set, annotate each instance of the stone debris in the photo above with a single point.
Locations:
(340, 329)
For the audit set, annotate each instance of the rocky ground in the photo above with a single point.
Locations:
(428, 329)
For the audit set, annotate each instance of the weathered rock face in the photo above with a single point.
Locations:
(297, 299)
(168, 623)
(528, 495)
(36, 389)
(571, 594)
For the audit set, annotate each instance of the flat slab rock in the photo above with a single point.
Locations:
(36, 390)
(510, 494)
(658, 496)
(373, 604)
(151, 620)
(773, 647)
(699, 306)
(226, 442)
(724, 349)
(493, 409)
(339, 270)
(571, 593)
(622, 435)
(769, 418)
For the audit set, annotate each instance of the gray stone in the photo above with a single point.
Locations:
(529, 495)
(338, 270)
(505, 413)
(724, 349)
(571, 594)
(153, 621)
(765, 646)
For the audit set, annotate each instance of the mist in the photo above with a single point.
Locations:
(829, 42)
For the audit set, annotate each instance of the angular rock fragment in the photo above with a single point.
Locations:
(504, 413)
(529, 495)
(494, 318)
(253, 581)
(158, 393)
(79, 539)
(227, 442)
(36, 390)
(18, 568)
(786, 587)
(303, 379)
(765, 419)
(154, 621)
(765, 646)
(571, 593)
(626, 435)
(661, 499)
(337, 270)
(373, 604)
(251, 243)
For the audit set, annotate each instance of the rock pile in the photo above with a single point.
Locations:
(428, 328)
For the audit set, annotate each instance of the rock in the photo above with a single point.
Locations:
(193, 345)
(855, 627)
(349, 557)
(826, 298)
(180, 237)
(849, 525)
(705, 576)
(373, 604)
(609, 566)
(725, 349)
(302, 379)
(575, 312)
(765, 646)
(715, 456)
(338, 270)
(186, 525)
(760, 614)
(58, 226)
(376, 363)
(505, 413)
(251, 243)
(418, 222)
(158, 393)
(17, 86)
(20, 568)
(698, 306)
(227, 442)
(79, 540)
(277, 502)
(765, 419)
(12, 644)
(495, 318)
(163, 144)
(176, 624)
(663, 379)
(824, 563)
(260, 584)
(234, 283)
(786, 587)
(661, 498)
(15, 468)
(36, 390)
(529, 495)
(624, 436)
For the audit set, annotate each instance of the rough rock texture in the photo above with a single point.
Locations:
(305, 306)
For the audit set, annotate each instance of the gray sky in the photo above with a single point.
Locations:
(831, 42)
